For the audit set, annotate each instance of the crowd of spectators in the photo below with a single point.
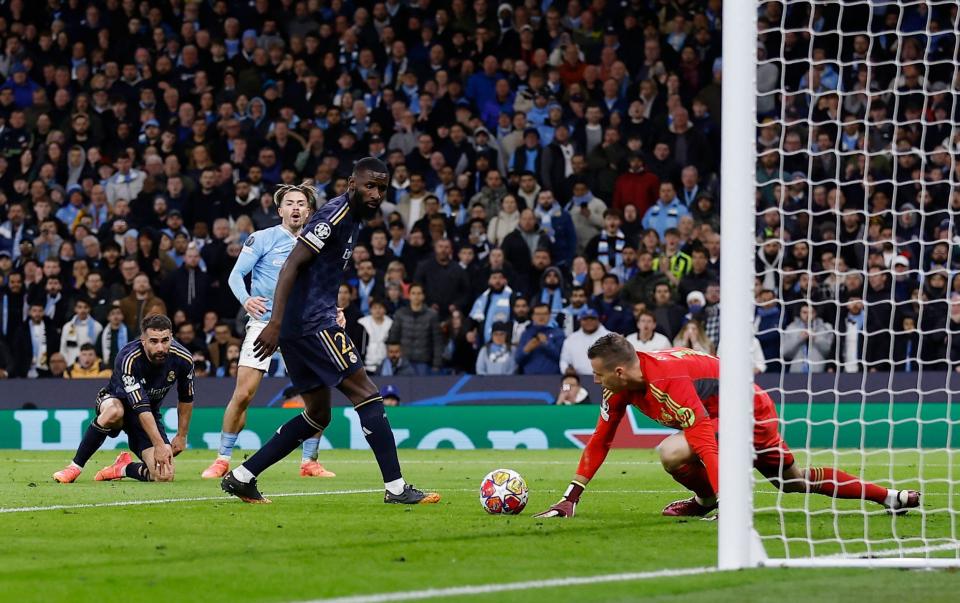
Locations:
(554, 177)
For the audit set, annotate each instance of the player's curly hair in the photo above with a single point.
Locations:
(306, 187)
(158, 322)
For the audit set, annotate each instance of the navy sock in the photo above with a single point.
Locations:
(92, 441)
(287, 439)
(376, 427)
(138, 471)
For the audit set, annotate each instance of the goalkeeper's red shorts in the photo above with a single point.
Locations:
(773, 454)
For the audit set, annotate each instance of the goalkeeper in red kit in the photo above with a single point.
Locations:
(678, 388)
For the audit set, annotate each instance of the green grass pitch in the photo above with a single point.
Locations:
(344, 542)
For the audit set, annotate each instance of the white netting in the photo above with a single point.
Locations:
(858, 304)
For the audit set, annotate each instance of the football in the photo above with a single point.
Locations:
(503, 492)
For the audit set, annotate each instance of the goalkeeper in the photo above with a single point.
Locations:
(678, 388)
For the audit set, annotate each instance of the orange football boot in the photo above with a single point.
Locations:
(315, 469)
(217, 470)
(114, 471)
(68, 475)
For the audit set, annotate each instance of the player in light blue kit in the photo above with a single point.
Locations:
(262, 256)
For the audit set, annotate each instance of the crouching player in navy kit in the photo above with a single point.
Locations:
(145, 370)
(308, 326)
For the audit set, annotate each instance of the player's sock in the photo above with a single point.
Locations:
(137, 471)
(892, 499)
(92, 440)
(227, 442)
(693, 477)
(290, 436)
(395, 487)
(376, 428)
(310, 447)
(833, 482)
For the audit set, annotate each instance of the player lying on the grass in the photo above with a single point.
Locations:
(318, 352)
(145, 370)
(678, 388)
(262, 255)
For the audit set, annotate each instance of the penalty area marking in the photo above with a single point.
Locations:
(483, 589)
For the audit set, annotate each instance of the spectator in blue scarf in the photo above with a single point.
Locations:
(493, 305)
(496, 357)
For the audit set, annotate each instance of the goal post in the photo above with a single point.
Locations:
(840, 195)
(735, 522)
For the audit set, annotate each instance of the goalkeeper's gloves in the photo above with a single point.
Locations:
(567, 506)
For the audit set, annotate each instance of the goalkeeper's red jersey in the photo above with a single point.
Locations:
(681, 392)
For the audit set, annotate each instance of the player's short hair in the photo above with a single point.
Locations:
(306, 187)
(370, 164)
(158, 322)
(88, 346)
(613, 349)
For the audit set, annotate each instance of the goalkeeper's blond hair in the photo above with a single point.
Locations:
(306, 187)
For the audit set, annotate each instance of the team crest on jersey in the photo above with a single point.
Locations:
(171, 376)
(322, 230)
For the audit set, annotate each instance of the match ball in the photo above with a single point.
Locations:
(503, 492)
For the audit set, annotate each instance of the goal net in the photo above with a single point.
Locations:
(856, 295)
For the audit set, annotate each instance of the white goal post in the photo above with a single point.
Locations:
(818, 166)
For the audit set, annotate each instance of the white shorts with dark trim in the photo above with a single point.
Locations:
(247, 357)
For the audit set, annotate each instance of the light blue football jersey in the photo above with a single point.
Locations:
(262, 256)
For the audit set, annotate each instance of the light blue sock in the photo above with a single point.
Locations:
(310, 449)
(227, 441)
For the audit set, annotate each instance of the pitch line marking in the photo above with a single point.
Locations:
(159, 501)
(917, 550)
(483, 589)
(135, 503)
(467, 461)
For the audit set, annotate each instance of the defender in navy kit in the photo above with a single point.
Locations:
(144, 372)
(308, 326)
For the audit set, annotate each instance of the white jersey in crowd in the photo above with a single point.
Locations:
(376, 341)
(574, 350)
(656, 343)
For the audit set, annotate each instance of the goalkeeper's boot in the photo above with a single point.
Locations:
(68, 474)
(687, 508)
(247, 492)
(411, 496)
(116, 470)
(905, 500)
(314, 469)
(217, 470)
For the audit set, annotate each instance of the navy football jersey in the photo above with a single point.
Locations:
(144, 385)
(330, 234)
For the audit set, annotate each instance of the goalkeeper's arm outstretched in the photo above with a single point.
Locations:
(679, 388)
